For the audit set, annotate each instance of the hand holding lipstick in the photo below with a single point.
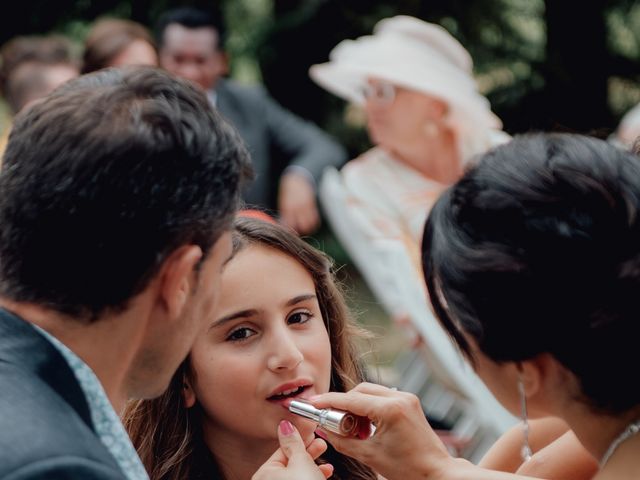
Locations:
(337, 421)
(293, 460)
(404, 445)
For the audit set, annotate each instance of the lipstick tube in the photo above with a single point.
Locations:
(337, 421)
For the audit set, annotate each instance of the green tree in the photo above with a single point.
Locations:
(544, 64)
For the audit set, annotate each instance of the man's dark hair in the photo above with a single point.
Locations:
(190, 17)
(104, 179)
(537, 250)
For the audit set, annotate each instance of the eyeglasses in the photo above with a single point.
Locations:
(380, 92)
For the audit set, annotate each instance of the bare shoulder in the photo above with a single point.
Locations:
(565, 458)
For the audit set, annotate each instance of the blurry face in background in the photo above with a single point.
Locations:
(36, 80)
(397, 116)
(58, 74)
(266, 345)
(193, 54)
(137, 52)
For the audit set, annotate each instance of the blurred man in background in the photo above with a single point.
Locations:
(191, 44)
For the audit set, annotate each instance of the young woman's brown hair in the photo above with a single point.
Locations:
(168, 435)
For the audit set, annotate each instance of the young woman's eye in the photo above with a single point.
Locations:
(240, 334)
(299, 317)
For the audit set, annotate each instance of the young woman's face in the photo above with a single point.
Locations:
(266, 345)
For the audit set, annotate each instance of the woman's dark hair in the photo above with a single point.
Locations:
(104, 179)
(537, 250)
(108, 38)
(168, 435)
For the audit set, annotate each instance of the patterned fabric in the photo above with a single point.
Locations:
(394, 197)
(106, 422)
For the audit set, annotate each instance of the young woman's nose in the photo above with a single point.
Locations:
(284, 353)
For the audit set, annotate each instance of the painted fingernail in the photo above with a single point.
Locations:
(321, 434)
(286, 428)
(313, 398)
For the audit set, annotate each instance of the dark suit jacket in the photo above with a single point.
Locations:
(45, 426)
(264, 126)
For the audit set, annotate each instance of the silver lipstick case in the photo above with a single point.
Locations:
(336, 421)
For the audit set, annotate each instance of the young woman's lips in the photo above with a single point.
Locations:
(285, 401)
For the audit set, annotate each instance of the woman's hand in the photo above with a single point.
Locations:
(293, 461)
(403, 447)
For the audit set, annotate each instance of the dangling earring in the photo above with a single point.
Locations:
(431, 129)
(526, 449)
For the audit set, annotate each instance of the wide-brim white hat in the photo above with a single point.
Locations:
(414, 54)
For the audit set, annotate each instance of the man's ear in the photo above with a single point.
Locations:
(188, 394)
(178, 277)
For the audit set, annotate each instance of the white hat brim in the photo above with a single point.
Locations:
(348, 82)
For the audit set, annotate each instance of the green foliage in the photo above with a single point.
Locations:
(522, 63)
(275, 41)
(623, 24)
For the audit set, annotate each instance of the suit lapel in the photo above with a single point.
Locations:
(22, 345)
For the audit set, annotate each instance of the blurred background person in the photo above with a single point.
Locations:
(426, 119)
(191, 44)
(114, 42)
(424, 115)
(31, 68)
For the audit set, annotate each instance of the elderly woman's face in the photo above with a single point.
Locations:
(397, 115)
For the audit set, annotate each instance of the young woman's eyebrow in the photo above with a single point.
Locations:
(300, 298)
(233, 316)
(251, 312)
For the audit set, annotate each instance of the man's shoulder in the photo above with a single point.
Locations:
(39, 430)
